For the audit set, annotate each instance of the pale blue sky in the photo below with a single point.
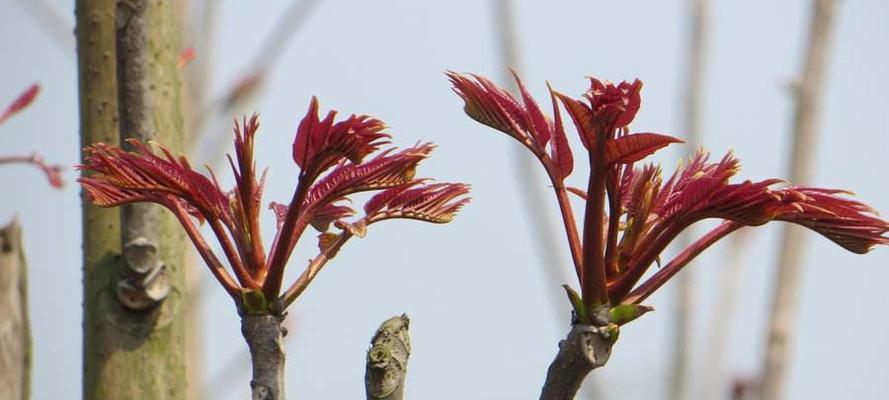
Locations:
(481, 321)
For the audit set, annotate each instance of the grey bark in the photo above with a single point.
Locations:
(144, 281)
(265, 339)
(129, 354)
(785, 298)
(15, 332)
(586, 348)
(387, 358)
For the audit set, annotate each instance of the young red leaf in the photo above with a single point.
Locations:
(23, 100)
(325, 243)
(493, 106)
(437, 202)
(534, 118)
(634, 147)
(321, 144)
(582, 116)
(145, 174)
(623, 99)
(185, 57)
(848, 223)
(384, 171)
(323, 216)
(561, 151)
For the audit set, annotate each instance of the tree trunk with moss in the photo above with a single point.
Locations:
(133, 280)
(15, 333)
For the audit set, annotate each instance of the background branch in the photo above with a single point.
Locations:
(714, 384)
(807, 109)
(692, 98)
(552, 261)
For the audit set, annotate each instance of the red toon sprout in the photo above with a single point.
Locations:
(332, 157)
(630, 214)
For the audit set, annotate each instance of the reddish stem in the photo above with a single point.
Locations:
(251, 210)
(574, 243)
(653, 246)
(657, 280)
(593, 284)
(288, 234)
(216, 268)
(312, 270)
(614, 213)
(233, 257)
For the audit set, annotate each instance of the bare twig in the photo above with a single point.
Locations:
(387, 358)
(61, 31)
(714, 384)
(52, 172)
(211, 146)
(691, 121)
(785, 297)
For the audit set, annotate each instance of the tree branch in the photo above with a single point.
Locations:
(785, 297)
(586, 348)
(387, 358)
(265, 339)
(692, 100)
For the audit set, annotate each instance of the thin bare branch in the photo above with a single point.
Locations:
(60, 31)
(805, 121)
(694, 75)
(209, 147)
(714, 383)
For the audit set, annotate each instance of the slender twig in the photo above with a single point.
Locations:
(216, 267)
(47, 18)
(714, 384)
(691, 121)
(785, 297)
(210, 144)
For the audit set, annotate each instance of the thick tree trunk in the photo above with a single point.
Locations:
(265, 338)
(15, 333)
(387, 357)
(586, 348)
(130, 351)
